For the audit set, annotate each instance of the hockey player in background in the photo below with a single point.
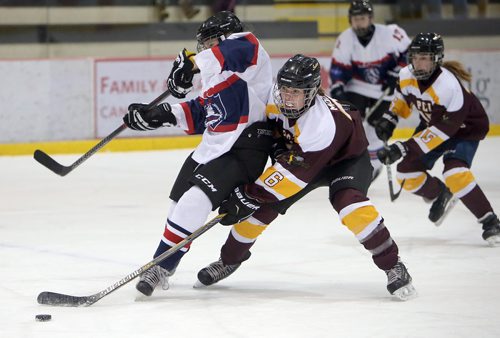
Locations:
(322, 143)
(452, 122)
(236, 78)
(366, 60)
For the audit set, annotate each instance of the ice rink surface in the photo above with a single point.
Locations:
(308, 275)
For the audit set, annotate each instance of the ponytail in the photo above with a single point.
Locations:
(458, 70)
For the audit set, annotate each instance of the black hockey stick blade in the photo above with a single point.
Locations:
(394, 196)
(62, 170)
(60, 299)
(50, 163)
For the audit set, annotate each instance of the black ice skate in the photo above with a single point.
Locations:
(150, 279)
(216, 271)
(491, 228)
(442, 205)
(399, 282)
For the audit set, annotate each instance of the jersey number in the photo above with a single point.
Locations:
(273, 179)
(427, 136)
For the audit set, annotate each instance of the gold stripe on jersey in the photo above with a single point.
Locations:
(408, 82)
(361, 218)
(413, 181)
(280, 182)
(401, 108)
(433, 95)
(296, 133)
(248, 230)
(460, 181)
(272, 109)
(430, 138)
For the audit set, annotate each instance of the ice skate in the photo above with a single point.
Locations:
(153, 277)
(491, 229)
(399, 282)
(442, 205)
(215, 272)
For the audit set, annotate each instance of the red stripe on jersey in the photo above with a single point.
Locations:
(218, 55)
(189, 118)
(340, 64)
(221, 86)
(376, 62)
(253, 40)
(231, 127)
(170, 236)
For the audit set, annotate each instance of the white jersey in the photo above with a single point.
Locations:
(236, 78)
(362, 68)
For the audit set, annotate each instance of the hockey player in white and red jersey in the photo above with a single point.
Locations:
(321, 143)
(236, 78)
(366, 60)
(452, 122)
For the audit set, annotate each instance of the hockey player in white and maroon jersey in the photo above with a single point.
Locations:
(366, 60)
(236, 79)
(452, 122)
(322, 143)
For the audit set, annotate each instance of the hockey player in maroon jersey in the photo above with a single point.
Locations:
(366, 60)
(452, 122)
(236, 79)
(322, 143)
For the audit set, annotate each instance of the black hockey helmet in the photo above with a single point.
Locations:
(426, 43)
(299, 72)
(360, 7)
(218, 26)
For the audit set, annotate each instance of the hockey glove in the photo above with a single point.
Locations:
(392, 153)
(180, 80)
(337, 92)
(390, 81)
(238, 207)
(139, 118)
(384, 127)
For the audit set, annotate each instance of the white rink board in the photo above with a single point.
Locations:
(74, 99)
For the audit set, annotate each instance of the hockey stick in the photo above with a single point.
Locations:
(61, 170)
(393, 195)
(377, 103)
(59, 299)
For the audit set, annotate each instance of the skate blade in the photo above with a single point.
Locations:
(406, 292)
(450, 206)
(493, 241)
(199, 285)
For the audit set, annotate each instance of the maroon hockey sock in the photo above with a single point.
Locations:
(431, 188)
(383, 248)
(477, 202)
(234, 252)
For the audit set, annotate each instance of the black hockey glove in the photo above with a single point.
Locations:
(238, 207)
(384, 127)
(390, 81)
(180, 80)
(392, 153)
(139, 118)
(337, 92)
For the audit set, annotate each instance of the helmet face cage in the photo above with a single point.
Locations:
(358, 7)
(299, 72)
(426, 44)
(216, 28)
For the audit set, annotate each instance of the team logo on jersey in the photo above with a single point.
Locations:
(372, 75)
(216, 112)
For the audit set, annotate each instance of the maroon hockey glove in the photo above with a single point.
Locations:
(238, 207)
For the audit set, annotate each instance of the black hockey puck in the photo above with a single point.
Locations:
(43, 318)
